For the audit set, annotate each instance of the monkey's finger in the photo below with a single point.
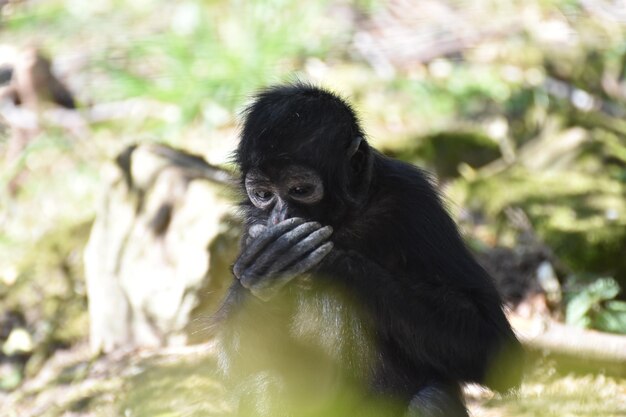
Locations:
(301, 248)
(264, 239)
(310, 260)
(273, 252)
(254, 231)
(248, 277)
(266, 289)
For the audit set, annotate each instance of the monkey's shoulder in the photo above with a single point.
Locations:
(405, 180)
(404, 215)
(403, 194)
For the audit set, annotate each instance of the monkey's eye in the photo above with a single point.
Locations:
(301, 190)
(262, 195)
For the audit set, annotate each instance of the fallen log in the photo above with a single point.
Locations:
(572, 348)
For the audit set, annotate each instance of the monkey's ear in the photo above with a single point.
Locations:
(358, 155)
(360, 160)
(354, 146)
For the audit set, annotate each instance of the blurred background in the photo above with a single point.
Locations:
(117, 219)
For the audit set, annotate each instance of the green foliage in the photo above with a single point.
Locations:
(580, 215)
(215, 52)
(594, 307)
(446, 151)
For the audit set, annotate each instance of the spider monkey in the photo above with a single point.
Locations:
(351, 274)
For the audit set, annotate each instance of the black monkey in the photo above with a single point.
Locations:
(350, 263)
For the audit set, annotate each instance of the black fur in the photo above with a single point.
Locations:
(422, 315)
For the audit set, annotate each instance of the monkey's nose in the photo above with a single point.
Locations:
(279, 213)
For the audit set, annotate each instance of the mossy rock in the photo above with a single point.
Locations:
(444, 152)
(50, 288)
(49, 293)
(581, 216)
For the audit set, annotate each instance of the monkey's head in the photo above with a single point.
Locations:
(303, 154)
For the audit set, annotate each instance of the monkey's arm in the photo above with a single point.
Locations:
(273, 256)
(450, 329)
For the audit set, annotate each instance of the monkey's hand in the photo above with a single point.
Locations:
(275, 255)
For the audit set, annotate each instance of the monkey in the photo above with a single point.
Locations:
(354, 292)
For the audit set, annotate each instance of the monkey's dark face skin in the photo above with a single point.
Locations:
(292, 191)
(349, 261)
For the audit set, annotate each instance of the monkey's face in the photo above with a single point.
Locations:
(280, 194)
